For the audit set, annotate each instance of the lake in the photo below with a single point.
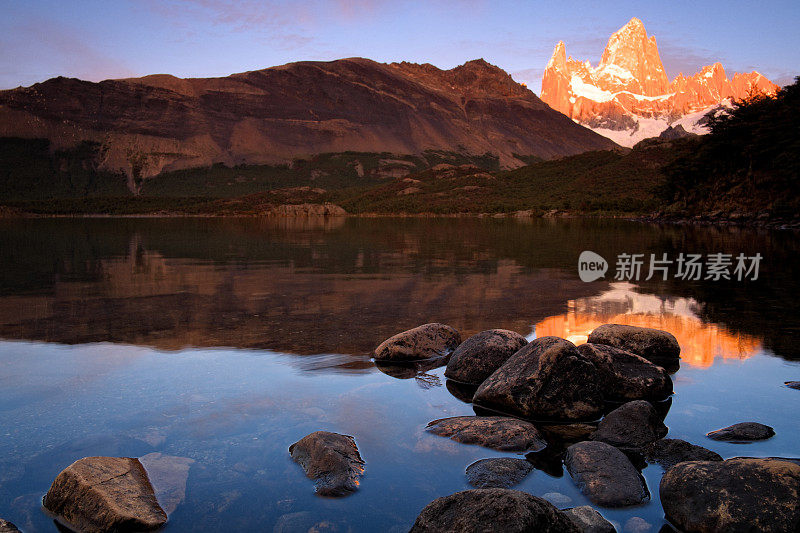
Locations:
(226, 340)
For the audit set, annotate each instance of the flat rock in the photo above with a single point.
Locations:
(631, 425)
(736, 495)
(501, 472)
(669, 452)
(626, 376)
(792, 384)
(605, 474)
(742, 432)
(548, 379)
(480, 355)
(168, 475)
(7, 527)
(588, 520)
(331, 460)
(654, 345)
(492, 510)
(96, 494)
(496, 432)
(423, 342)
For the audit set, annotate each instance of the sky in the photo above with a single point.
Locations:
(97, 40)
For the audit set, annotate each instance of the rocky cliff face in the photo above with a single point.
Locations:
(628, 97)
(156, 123)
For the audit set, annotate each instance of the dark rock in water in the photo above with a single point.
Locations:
(496, 432)
(502, 472)
(792, 384)
(7, 527)
(547, 379)
(410, 369)
(423, 342)
(331, 460)
(669, 452)
(637, 524)
(550, 461)
(605, 474)
(652, 344)
(492, 510)
(742, 432)
(632, 425)
(589, 520)
(479, 356)
(625, 375)
(461, 391)
(566, 434)
(97, 494)
(735, 495)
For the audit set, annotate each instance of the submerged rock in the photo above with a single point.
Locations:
(588, 520)
(501, 472)
(605, 474)
(7, 527)
(423, 342)
(547, 379)
(97, 494)
(632, 425)
(492, 510)
(168, 475)
(625, 375)
(792, 384)
(734, 495)
(496, 432)
(653, 344)
(331, 460)
(669, 452)
(742, 432)
(480, 355)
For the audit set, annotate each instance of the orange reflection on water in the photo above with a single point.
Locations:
(700, 342)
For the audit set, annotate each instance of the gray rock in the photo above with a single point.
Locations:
(605, 474)
(331, 460)
(742, 432)
(631, 426)
(496, 432)
(736, 495)
(98, 494)
(792, 384)
(589, 520)
(479, 356)
(502, 472)
(669, 452)
(492, 510)
(547, 379)
(654, 345)
(625, 375)
(423, 342)
(7, 527)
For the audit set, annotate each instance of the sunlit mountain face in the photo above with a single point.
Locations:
(701, 342)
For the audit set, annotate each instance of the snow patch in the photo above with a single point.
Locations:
(579, 88)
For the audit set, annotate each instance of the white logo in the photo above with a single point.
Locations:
(591, 266)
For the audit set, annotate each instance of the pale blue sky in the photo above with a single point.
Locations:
(96, 40)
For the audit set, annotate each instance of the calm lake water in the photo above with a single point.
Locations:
(224, 341)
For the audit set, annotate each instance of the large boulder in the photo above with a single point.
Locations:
(631, 426)
(97, 494)
(626, 376)
(480, 355)
(605, 474)
(492, 510)
(742, 432)
(589, 520)
(7, 527)
(547, 379)
(654, 345)
(737, 495)
(500, 472)
(331, 460)
(669, 452)
(423, 342)
(496, 432)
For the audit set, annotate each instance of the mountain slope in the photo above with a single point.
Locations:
(628, 96)
(148, 125)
